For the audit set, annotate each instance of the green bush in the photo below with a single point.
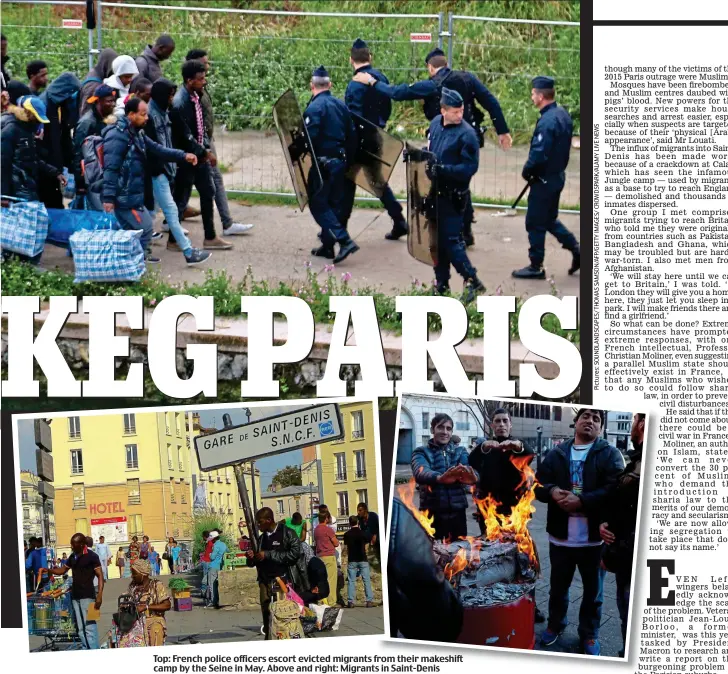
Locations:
(257, 57)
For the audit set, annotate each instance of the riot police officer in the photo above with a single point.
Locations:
(468, 86)
(375, 107)
(452, 163)
(545, 169)
(333, 138)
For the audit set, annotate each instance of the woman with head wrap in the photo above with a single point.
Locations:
(124, 71)
(96, 76)
(152, 601)
(61, 100)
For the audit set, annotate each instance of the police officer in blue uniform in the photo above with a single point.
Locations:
(453, 162)
(545, 170)
(375, 107)
(333, 138)
(468, 86)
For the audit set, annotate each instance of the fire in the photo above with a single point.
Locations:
(406, 495)
(459, 563)
(515, 525)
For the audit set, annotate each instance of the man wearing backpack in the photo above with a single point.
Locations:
(429, 91)
(92, 123)
(125, 150)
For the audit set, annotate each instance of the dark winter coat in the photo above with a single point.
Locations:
(126, 150)
(159, 127)
(422, 604)
(184, 125)
(90, 124)
(602, 467)
(21, 163)
(428, 463)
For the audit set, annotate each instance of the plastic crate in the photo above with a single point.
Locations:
(183, 604)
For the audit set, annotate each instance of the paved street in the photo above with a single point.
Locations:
(212, 626)
(279, 247)
(610, 635)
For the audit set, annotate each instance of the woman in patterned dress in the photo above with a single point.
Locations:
(152, 599)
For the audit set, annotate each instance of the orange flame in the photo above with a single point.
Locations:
(515, 525)
(459, 563)
(406, 495)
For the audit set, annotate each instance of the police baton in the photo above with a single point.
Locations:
(511, 212)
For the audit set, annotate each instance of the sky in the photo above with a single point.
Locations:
(210, 418)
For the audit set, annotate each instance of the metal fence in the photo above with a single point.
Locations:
(261, 50)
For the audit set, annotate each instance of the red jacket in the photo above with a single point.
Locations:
(205, 556)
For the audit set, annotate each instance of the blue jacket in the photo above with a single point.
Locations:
(125, 158)
(602, 467)
(365, 101)
(551, 143)
(456, 149)
(216, 556)
(467, 84)
(428, 463)
(330, 127)
(37, 559)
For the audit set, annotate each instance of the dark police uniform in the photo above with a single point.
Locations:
(375, 107)
(456, 154)
(546, 169)
(333, 137)
(470, 88)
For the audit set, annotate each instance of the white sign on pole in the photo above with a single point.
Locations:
(274, 435)
(420, 37)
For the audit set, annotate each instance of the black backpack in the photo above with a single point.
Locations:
(128, 615)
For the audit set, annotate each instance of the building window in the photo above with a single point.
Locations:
(340, 467)
(166, 423)
(357, 425)
(179, 459)
(183, 490)
(425, 420)
(135, 526)
(175, 530)
(169, 457)
(25, 494)
(177, 425)
(463, 422)
(279, 502)
(361, 465)
(135, 495)
(79, 495)
(425, 440)
(26, 513)
(557, 414)
(76, 462)
(343, 498)
(132, 457)
(74, 427)
(229, 503)
(362, 497)
(172, 497)
(82, 526)
(130, 424)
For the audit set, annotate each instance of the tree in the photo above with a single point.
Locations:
(290, 476)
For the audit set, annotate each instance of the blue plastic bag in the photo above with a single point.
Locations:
(23, 228)
(110, 255)
(64, 222)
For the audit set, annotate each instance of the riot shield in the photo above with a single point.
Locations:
(296, 144)
(376, 156)
(421, 209)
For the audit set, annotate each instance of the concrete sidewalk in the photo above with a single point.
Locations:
(212, 626)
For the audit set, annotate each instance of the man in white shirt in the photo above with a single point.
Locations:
(574, 480)
(104, 553)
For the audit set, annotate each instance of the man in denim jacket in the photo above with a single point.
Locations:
(442, 472)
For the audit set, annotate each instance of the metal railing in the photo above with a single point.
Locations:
(248, 151)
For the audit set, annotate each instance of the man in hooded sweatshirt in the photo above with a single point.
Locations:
(159, 129)
(96, 76)
(124, 71)
(61, 101)
(148, 62)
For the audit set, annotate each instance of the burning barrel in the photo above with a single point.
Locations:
(508, 624)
